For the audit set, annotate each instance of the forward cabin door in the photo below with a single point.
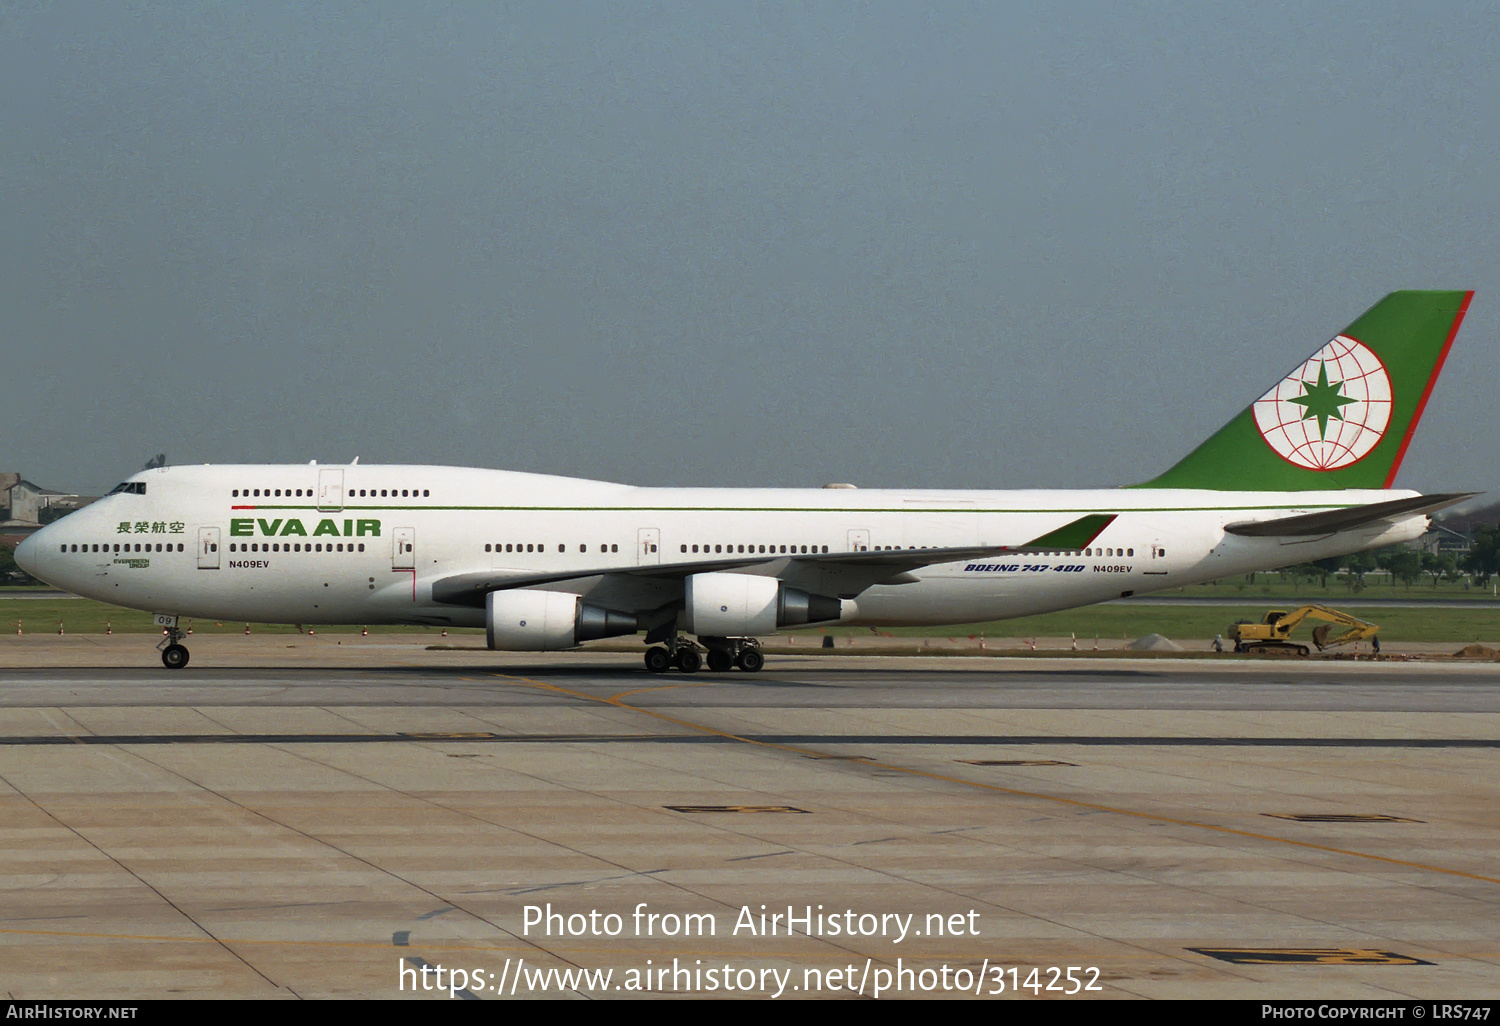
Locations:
(648, 546)
(404, 549)
(859, 541)
(208, 548)
(331, 490)
(1156, 565)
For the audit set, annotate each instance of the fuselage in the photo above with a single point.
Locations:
(358, 544)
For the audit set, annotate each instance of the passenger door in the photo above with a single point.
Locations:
(404, 549)
(208, 548)
(331, 490)
(648, 546)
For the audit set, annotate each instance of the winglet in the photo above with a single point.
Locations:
(1075, 535)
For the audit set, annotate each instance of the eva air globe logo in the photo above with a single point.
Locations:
(1331, 411)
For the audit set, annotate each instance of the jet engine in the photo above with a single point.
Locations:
(728, 605)
(545, 621)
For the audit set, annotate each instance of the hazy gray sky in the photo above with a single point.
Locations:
(998, 245)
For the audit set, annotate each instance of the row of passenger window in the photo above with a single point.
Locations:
(297, 547)
(298, 493)
(540, 547)
(793, 549)
(768, 549)
(122, 547)
(1107, 551)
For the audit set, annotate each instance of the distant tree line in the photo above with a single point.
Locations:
(1410, 566)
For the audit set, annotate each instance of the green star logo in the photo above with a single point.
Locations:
(1322, 400)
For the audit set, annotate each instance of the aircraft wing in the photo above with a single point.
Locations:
(843, 573)
(1333, 520)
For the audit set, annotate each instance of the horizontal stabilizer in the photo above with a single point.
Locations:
(1332, 520)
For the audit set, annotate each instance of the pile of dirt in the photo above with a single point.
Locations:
(1154, 643)
(1477, 651)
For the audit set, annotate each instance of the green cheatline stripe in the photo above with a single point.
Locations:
(778, 509)
(1075, 535)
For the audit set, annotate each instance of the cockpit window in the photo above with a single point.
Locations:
(130, 488)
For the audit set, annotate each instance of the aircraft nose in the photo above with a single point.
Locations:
(26, 555)
(31, 555)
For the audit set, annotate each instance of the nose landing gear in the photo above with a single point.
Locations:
(174, 656)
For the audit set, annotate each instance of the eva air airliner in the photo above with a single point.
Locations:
(546, 563)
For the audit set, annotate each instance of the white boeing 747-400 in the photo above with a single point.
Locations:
(545, 563)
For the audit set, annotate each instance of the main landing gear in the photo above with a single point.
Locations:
(721, 654)
(174, 656)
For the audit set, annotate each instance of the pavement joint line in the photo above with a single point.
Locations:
(958, 740)
(208, 935)
(615, 700)
(225, 798)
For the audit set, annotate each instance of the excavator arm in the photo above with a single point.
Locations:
(1275, 631)
(1355, 629)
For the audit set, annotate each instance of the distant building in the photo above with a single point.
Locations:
(1442, 540)
(1453, 533)
(28, 506)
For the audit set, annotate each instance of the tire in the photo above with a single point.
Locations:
(688, 660)
(750, 660)
(174, 657)
(657, 660)
(720, 661)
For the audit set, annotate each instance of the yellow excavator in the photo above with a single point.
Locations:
(1274, 632)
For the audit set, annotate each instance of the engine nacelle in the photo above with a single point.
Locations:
(546, 621)
(729, 605)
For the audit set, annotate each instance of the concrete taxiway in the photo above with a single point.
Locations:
(342, 817)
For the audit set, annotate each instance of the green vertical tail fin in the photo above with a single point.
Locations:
(1342, 419)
